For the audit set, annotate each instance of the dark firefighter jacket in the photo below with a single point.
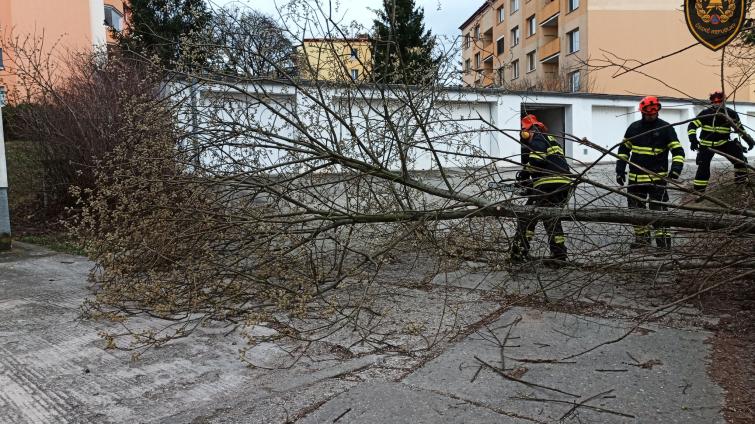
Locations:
(544, 161)
(646, 145)
(715, 127)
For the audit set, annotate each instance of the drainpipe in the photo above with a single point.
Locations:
(5, 239)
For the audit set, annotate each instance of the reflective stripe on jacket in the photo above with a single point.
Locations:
(544, 159)
(647, 145)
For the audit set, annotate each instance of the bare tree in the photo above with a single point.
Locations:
(248, 43)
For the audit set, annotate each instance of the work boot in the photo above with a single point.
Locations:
(558, 252)
(557, 261)
(519, 254)
(699, 192)
(664, 246)
(519, 257)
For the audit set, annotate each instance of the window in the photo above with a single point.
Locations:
(354, 74)
(515, 69)
(531, 26)
(515, 36)
(500, 45)
(574, 41)
(574, 80)
(573, 4)
(531, 63)
(514, 6)
(477, 32)
(477, 61)
(467, 40)
(1, 59)
(501, 14)
(354, 54)
(467, 65)
(113, 18)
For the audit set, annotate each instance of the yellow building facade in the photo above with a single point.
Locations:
(574, 45)
(329, 59)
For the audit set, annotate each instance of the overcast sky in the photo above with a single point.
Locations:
(442, 17)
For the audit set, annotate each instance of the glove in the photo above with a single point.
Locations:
(750, 144)
(523, 179)
(621, 179)
(694, 145)
(674, 174)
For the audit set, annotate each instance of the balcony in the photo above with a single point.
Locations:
(548, 15)
(487, 38)
(550, 50)
(487, 21)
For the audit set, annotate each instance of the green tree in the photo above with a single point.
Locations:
(166, 28)
(402, 48)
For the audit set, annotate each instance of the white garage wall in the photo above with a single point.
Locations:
(456, 126)
(674, 116)
(747, 116)
(609, 125)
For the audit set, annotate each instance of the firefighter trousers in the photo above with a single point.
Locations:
(654, 192)
(548, 195)
(735, 155)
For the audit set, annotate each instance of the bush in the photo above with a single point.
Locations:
(11, 128)
(74, 121)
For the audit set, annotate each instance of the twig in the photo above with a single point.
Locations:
(341, 416)
(474, 377)
(582, 403)
(540, 361)
(527, 383)
(626, 71)
(506, 339)
(594, 408)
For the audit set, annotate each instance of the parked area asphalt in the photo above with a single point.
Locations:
(492, 364)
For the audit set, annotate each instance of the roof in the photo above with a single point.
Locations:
(580, 94)
(479, 11)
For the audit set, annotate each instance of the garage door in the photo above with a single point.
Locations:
(609, 123)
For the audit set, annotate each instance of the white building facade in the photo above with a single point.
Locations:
(485, 122)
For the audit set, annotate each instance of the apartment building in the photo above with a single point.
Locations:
(525, 43)
(546, 44)
(335, 59)
(116, 17)
(62, 26)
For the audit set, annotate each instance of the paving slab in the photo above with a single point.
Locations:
(54, 368)
(379, 403)
(655, 374)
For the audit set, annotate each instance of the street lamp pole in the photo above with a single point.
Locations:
(5, 238)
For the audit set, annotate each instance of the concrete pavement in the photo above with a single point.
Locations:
(54, 368)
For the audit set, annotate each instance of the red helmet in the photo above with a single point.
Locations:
(529, 121)
(650, 105)
(717, 97)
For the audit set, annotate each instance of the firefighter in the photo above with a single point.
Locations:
(546, 174)
(717, 123)
(646, 146)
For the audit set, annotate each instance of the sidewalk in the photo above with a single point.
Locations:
(54, 369)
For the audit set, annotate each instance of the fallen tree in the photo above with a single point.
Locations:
(286, 203)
